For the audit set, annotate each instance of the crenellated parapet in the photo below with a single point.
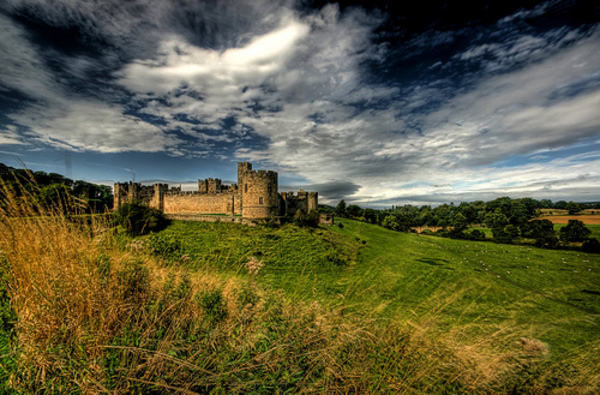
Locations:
(304, 201)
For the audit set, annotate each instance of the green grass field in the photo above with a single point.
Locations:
(218, 308)
(595, 229)
(368, 271)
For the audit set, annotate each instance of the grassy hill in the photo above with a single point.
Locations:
(228, 308)
(475, 292)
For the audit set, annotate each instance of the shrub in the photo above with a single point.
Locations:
(574, 231)
(542, 231)
(477, 235)
(308, 220)
(457, 233)
(166, 246)
(138, 219)
(214, 305)
(591, 245)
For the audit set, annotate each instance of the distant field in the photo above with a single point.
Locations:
(553, 211)
(564, 219)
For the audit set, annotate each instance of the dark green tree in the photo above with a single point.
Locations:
(340, 209)
(353, 210)
(542, 231)
(574, 231)
(591, 245)
(308, 220)
(390, 222)
(573, 208)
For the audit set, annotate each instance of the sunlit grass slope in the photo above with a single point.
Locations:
(237, 309)
(474, 292)
(553, 295)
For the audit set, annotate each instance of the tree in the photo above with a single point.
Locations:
(353, 210)
(340, 209)
(56, 198)
(560, 205)
(390, 222)
(573, 208)
(476, 234)
(542, 231)
(591, 245)
(574, 231)
(460, 222)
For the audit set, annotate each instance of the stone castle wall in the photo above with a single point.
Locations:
(255, 196)
(191, 203)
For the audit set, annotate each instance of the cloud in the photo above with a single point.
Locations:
(525, 14)
(93, 126)
(9, 136)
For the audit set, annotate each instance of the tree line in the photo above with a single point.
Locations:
(511, 220)
(53, 192)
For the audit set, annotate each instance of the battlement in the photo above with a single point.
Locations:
(302, 194)
(261, 174)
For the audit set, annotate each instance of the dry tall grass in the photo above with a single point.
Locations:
(97, 316)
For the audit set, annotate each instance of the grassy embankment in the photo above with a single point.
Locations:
(354, 310)
(475, 293)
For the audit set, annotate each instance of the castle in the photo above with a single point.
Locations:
(255, 196)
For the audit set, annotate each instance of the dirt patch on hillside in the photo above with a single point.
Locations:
(564, 219)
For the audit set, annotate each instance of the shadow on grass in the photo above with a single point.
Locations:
(433, 261)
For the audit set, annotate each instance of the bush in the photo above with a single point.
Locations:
(542, 231)
(308, 220)
(138, 219)
(476, 235)
(574, 231)
(214, 305)
(166, 246)
(591, 245)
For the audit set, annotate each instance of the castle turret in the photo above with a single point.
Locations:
(259, 195)
(313, 201)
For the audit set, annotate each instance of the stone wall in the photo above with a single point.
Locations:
(194, 203)
(206, 218)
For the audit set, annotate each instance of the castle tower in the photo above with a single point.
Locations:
(158, 200)
(243, 169)
(118, 196)
(313, 201)
(258, 192)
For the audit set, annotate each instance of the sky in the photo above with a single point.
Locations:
(424, 102)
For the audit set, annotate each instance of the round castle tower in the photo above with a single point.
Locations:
(258, 192)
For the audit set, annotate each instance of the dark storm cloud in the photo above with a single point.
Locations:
(333, 192)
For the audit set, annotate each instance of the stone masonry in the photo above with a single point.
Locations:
(255, 196)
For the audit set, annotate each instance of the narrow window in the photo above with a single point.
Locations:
(260, 200)
(245, 187)
(269, 189)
